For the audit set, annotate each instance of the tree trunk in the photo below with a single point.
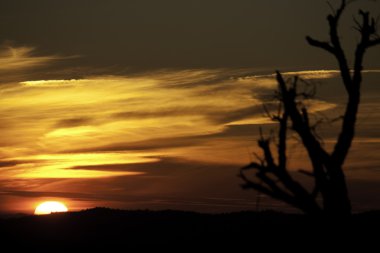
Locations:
(336, 201)
(309, 206)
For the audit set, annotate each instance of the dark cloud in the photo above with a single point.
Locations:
(170, 112)
(147, 34)
(150, 144)
(244, 113)
(172, 183)
(217, 117)
(73, 122)
(165, 166)
(8, 163)
(36, 194)
(177, 184)
(12, 163)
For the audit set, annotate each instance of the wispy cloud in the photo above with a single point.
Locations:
(205, 115)
(53, 83)
(268, 80)
(19, 58)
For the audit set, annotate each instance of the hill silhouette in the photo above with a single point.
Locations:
(103, 228)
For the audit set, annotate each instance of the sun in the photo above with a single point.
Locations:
(49, 207)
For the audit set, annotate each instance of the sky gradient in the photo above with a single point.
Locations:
(156, 104)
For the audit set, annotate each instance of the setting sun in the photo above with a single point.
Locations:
(49, 207)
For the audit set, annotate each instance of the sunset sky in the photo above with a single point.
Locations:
(139, 104)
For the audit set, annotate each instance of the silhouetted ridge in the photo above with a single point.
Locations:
(103, 228)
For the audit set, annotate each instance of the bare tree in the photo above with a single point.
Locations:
(270, 173)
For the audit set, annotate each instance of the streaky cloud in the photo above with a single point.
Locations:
(206, 115)
(19, 58)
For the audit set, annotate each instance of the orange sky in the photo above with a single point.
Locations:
(117, 128)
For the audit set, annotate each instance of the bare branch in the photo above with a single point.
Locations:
(374, 42)
(305, 116)
(259, 158)
(314, 193)
(273, 190)
(331, 7)
(274, 179)
(334, 46)
(282, 135)
(264, 145)
(321, 44)
(307, 173)
(341, 9)
(252, 165)
(299, 125)
(367, 29)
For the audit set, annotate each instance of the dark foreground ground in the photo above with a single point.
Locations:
(109, 230)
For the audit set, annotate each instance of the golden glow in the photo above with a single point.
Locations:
(49, 207)
(61, 127)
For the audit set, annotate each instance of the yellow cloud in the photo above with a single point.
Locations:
(53, 83)
(44, 118)
(18, 58)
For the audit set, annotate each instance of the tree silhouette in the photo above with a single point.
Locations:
(270, 173)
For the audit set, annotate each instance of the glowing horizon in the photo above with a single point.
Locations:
(49, 207)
